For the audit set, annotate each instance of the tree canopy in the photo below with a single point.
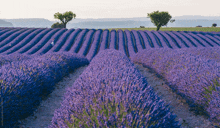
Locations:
(160, 18)
(64, 18)
(57, 25)
(214, 25)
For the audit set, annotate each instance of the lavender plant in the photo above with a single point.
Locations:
(186, 72)
(5, 59)
(23, 42)
(25, 83)
(111, 92)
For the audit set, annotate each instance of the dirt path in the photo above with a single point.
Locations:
(43, 115)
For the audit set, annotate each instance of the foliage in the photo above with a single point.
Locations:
(160, 18)
(57, 25)
(64, 18)
(214, 25)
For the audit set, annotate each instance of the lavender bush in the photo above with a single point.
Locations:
(25, 83)
(188, 74)
(5, 59)
(111, 92)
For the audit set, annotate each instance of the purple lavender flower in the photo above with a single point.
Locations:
(111, 92)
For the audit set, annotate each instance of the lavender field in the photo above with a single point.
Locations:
(110, 92)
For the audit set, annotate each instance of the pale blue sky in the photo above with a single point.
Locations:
(13, 9)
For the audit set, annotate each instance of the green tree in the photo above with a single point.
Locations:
(57, 25)
(64, 18)
(214, 25)
(160, 18)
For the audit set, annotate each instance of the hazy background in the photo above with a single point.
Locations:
(108, 14)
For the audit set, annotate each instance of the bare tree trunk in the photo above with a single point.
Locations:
(158, 27)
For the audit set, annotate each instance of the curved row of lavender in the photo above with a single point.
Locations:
(192, 73)
(111, 92)
(87, 42)
(24, 83)
(5, 59)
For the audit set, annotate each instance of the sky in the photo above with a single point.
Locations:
(87, 9)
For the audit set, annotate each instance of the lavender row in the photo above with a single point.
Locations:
(11, 37)
(137, 39)
(5, 59)
(112, 43)
(189, 75)
(131, 46)
(41, 43)
(173, 43)
(194, 40)
(108, 93)
(204, 41)
(8, 33)
(25, 83)
(34, 41)
(160, 40)
(94, 46)
(3, 32)
(147, 41)
(208, 38)
(197, 39)
(179, 39)
(78, 42)
(128, 41)
(70, 41)
(61, 41)
(155, 42)
(121, 41)
(23, 42)
(85, 46)
(17, 40)
(185, 40)
(50, 43)
(104, 42)
(208, 53)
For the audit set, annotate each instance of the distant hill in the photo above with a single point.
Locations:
(31, 22)
(5, 24)
(180, 21)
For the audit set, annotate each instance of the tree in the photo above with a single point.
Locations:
(64, 18)
(214, 25)
(57, 25)
(160, 18)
